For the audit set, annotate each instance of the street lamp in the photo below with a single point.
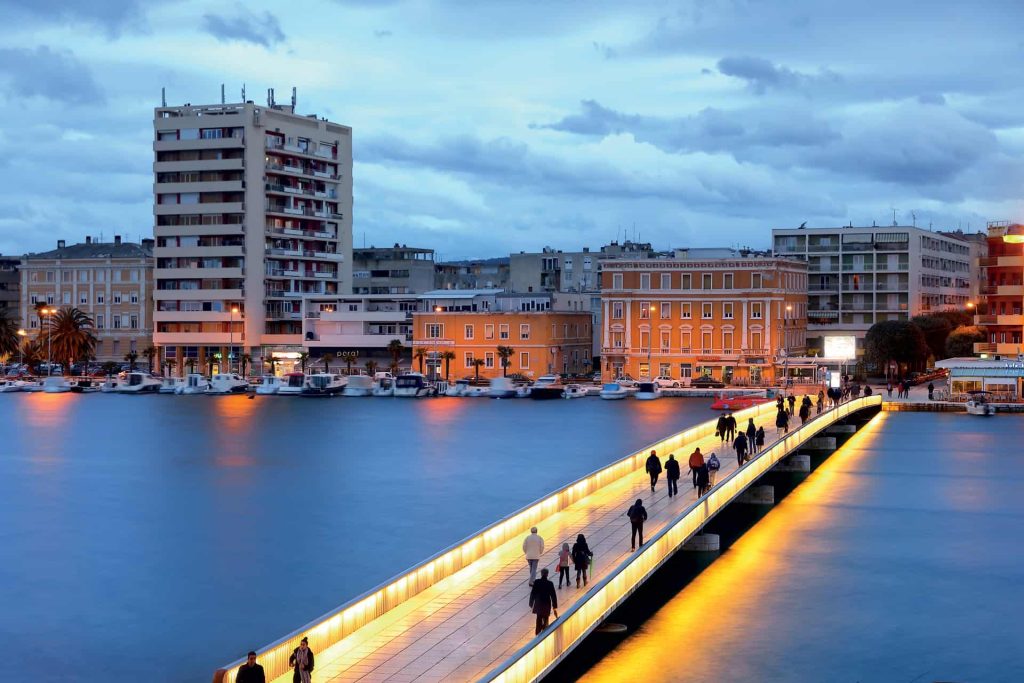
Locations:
(48, 312)
(650, 340)
(785, 350)
(231, 339)
(21, 349)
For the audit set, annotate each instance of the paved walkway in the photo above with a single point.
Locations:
(468, 623)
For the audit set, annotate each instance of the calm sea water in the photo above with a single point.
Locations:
(900, 559)
(157, 537)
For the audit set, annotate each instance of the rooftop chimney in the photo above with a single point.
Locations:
(117, 239)
(88, 239)
(60, 244)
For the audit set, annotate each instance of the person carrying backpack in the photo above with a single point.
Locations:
(740, 444)
(637, 516)
(713, 465)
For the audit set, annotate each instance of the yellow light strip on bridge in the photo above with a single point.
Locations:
(361, 611)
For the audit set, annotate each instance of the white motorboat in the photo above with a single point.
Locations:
(978, 404)
(613, 391)
(169, 385)
(574, 391)
(109, 386)
(8, 386)
(546, 387)
(85, 386)
(412, 385)
(56, 385)
(502, 387)
(32, 385)
(457, 388)
(293, 384)
(227, 383)
(324, 384)
(195, 383)
(269, 385)
(523, 391)
(359, 385)
(138, 383)
(384, 387)
(647, 391)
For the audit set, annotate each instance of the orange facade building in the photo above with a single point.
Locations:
(1000, 312)
(735, 319)
(542, 342)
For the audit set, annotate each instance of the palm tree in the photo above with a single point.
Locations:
(327, 358)
(273, 365)
(393, 368)
(190, 365)
(10, 342)
(395, 348)
(371, 367)
(477, 363)
(505, 353)
(110, 368)
(244, 361)
(349, 359)
(420, 354)
(169, 364)
(72, 337)
(447, 357)
(150, 353)
(303, 359)
(131, 357)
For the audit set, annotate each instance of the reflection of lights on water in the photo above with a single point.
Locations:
(234, 416)
(718, 599)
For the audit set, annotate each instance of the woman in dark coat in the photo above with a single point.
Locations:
(703, 485)
(581, 555)
(543, 599)
(782, 421)
(751, 432)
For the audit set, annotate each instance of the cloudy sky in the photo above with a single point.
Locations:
(486, 126)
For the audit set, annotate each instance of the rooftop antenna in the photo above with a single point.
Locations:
(913, 219)
(222, 100)
(294, 92)
(894, 217)
(163, 97)
(243, 92)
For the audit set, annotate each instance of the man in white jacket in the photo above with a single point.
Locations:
(533, 546)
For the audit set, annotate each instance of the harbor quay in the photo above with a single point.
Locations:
(463, 613)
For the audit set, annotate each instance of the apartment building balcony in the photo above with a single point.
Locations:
(199, 230)
(200, 186)
(211, 143)
(1016, 262)
(886, 268)
(833, 287)
(196, 339)
(192, 316)
(281, 340)
(274, 145)
(891, 287)
(282, 168)
(304, 234)
(1009, 290)
(199, 165)
(197, 273)
(1016, 321)
(822, 268)
(295, 190)
(199, 252)
(1001, 348)
(198, 294)
(207, 208)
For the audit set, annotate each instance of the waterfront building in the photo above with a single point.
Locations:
(356, 329)
(1003, 377)
(392, 270)
(492, 273)
(474, 324)
(999, 310)
(112, 282)
(857, 276)
(9, 286)
(735, 319)
(253, 212)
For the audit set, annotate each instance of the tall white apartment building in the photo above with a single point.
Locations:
(253, 212)
(859, 276)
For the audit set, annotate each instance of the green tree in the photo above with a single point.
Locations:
(395, 348)
(327, 358)
(72, 337)
(505, 353)
(960, 342)
(131, 357)
(303, 360)
(477, 364)
(895, 340)
(393, 367)
(935, 330)
(150, 353)
(420, 354)
(10, 342)
(371, 367)
(447, 357)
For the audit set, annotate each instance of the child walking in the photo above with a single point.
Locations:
(564, 556)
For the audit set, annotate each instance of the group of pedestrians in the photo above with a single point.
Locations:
(301, 661)
(726, 427)
(902, 388)
(543, 597)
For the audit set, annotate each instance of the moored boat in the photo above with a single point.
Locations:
(502, 387)
(195, 383)
(85, 386)
(358, 385)
(56, 385)
(32, 385)
(227, 383)
(293, 384)
(613, 391)
(384, 387)
(138, 383)
(574, 391)
(647, 391)
(324, 384)
(8, 386)
(546, 388)
(269, 385)
(978, 404)
(169, 385)
(412, 385)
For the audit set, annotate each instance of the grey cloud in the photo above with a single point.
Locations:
(54, 74)
(931, 98)
(111, 15)
(761, 75)
(382, 34)
(245, 26)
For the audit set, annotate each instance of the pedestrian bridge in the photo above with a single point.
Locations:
(463, 614)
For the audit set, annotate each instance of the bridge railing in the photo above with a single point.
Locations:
(364, 609)
(542, 653)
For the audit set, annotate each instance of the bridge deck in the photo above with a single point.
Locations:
(470, 622)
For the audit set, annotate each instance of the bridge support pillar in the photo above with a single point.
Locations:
(794, 463)
(841, 429)
(758, 495)
(821, 443)
(703, 543)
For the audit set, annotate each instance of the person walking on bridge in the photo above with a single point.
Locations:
(543, 599)
(720, 427)
(653, 468)
(251, 672)
(740, 444)
(751, 432)
(301, 661)
(730, 427)
(703, 478)
(713, 465)
(696, 460)
(637, 516)
(533, 547)
(791, 399)
(564, 557)
(782, 422)
(821, 400)
(672, 475)
(759, 439)
(581, 559)
(931, 391)
(805, 410)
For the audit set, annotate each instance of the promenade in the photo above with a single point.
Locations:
(468, 623)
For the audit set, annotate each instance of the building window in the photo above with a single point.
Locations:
(755, 281)
(489, 331)
(616, 280)
(727, 310)
(727, 281)
(727, 341)
(685, 281)
(755, 341)
(49, 298)
(616, 310)
(133, 322)
(755, 310)
(645, 340)
(435, 330)
(645, 369)
(666, 280)
(685, 370)
(617, 340)
(524, 360)
(116, 319)
(503, 331)
(645, 310)
(705, 342)
(665, 370)
(705, 281)
(684, 341)
(705, 311)
(488, 360)
(645, 280)
(666, 341)
(134, 276)
(135, 297)
(99, 322)
(83, 298)
(524, 331)
(99, 298)
(665, 308)
(34, 299)
(469, 332)
(83, 276)
(66, 298)
(685, 310)
(117, 297)
(468, 359)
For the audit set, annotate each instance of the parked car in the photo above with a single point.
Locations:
(664, 381)
(626, 381)
(707, 382)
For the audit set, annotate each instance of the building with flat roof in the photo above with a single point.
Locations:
(253, 212)
(356, 328)
(111, 282)
(392, 270)
(10, 281)
(857, 276)
(735, 320)
(491, 273)
(1002, 293)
